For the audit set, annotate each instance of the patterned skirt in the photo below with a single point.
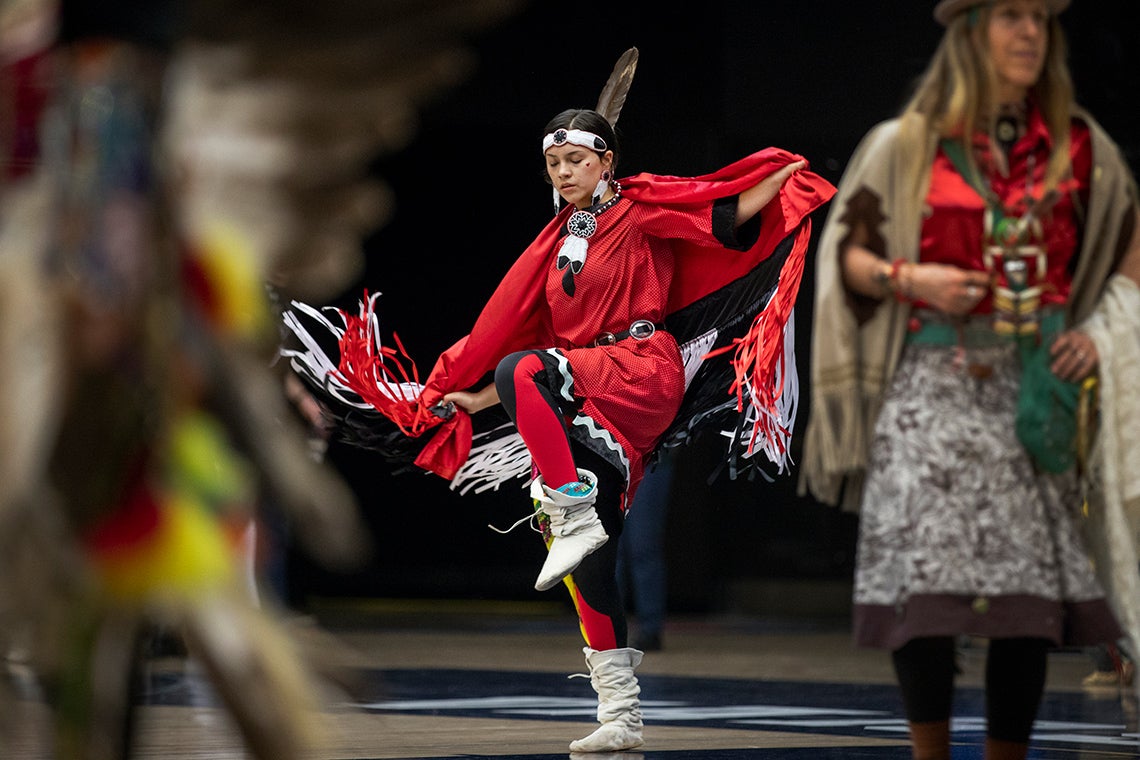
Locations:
(959, 532)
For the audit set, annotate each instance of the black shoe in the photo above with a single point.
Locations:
(648, 642)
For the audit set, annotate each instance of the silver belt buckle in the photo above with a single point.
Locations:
(642, 329)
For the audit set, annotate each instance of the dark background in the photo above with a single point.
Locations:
(716, 80)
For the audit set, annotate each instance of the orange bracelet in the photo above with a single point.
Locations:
(893, 279)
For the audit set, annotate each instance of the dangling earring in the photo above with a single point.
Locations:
(602, 186)
(557, 201)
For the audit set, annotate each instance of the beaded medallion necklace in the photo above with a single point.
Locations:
(582, 224)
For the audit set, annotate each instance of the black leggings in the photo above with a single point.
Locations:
(593, 585)
(523, 382)
(1015, 681)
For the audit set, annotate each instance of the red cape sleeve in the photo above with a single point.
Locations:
(694, 278)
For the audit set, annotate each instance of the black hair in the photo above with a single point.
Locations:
(589, 121)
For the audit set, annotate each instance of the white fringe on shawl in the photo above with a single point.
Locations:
(496, 457)
(311, 360)
(1113, 525)
(693, 353)
(781, 421)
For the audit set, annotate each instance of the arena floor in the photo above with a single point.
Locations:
(485, 679)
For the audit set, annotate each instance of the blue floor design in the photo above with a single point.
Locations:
(1068, 721)
(1069, 725)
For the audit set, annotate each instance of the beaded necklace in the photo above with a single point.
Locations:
(1012, 246)
(579, 227)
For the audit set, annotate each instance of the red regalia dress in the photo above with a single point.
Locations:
(656, 255)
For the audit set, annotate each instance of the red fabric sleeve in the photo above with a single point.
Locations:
(697, 275)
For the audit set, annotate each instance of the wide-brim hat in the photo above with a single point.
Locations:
(948, 9)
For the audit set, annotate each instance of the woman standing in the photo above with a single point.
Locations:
(590, 376)
(974, 243)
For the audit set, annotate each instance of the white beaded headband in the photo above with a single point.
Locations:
(575, 137)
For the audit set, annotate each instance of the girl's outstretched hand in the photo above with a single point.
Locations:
(473, 402)
(761, 194)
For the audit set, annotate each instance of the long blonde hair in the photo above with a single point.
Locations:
(956, 95)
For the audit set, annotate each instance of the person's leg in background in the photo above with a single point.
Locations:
(925, 669)
(1015, 681)
(641, 567)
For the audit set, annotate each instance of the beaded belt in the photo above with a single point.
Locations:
(639, 330)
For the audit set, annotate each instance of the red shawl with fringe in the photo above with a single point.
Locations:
(512, 320)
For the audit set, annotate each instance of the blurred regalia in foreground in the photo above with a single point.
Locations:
(163, 164)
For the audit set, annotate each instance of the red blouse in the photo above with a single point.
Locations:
(633, 388)
(953, 229)
(628, 270)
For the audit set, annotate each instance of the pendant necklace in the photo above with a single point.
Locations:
(579, 227)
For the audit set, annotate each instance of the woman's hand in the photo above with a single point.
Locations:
(1074, 356)
(945, 287)
(473, 402)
